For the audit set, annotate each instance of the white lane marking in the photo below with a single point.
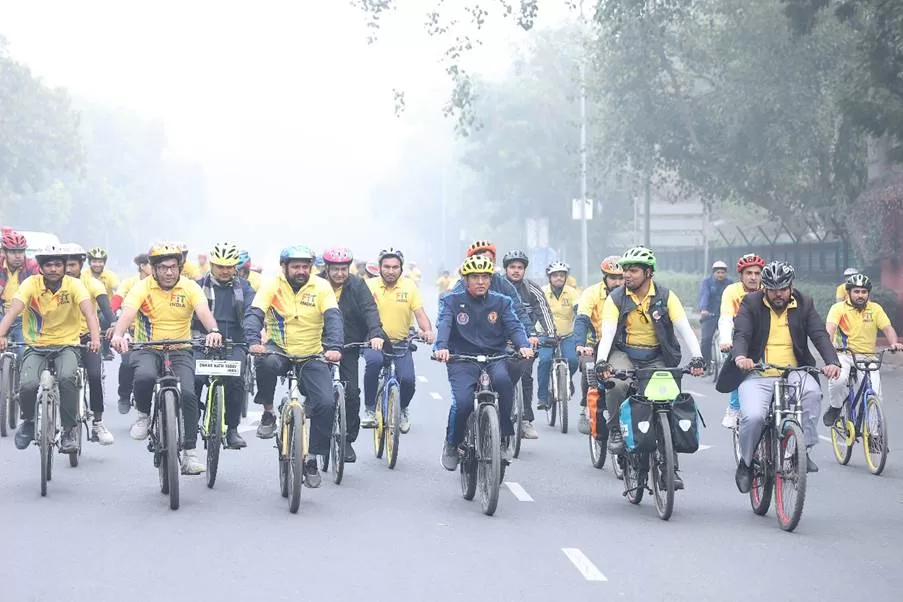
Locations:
(250, 422)
(694, 393)
(519, 492)
(435, 395)
(702, 447)
(421, 378)
(823, 438)
(584, 565)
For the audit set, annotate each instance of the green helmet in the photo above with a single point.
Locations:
(638, 256)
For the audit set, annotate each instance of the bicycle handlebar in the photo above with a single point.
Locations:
(762, 366)
(477, 359)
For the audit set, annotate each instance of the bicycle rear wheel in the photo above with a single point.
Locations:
(171, 446)
(662, 468)
(468, 464)
(214, 419)
(339, 435)
(843, 436)
(598, 452)
(762, 473)
(790, 478)
(489, 455)
(874, 436)
(563, 376)
(392, 426)
(517, 416)
(635, 469)
(6, 397)
(295, 458)
(617, 468)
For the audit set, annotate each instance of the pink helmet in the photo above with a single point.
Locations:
(373, 268)
(13, 241)
(338, 255)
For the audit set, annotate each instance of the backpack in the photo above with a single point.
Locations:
(685, 419)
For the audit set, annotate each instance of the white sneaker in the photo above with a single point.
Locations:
(405, 423)
(731, 418)
(190, 463)
(583, 423)
(99, 431)
(369, 419)
(140, 428)
(527, 430)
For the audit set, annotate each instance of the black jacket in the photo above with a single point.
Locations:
(751, 328)
(359, 312)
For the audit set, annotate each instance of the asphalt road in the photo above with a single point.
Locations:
(562, 530)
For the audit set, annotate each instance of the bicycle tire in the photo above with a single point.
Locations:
(789, 514)
(379, 431)
(716, 358)
(616, 468)
(282, 449)
(598, 452)
(634, 479)
(843, 436)
(468, 464)
(763, 473)
(45, 432)
(517, 416)
(564, 395)
(296, 458)
(489, 454)
(663, 471)
(160, 460)
(81, 421)
(215, 416)
(876, 468)
(339, 435)
(735, 438)
(5, 396)
(171, 428)
(393, 428)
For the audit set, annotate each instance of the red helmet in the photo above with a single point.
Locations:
(13, 241)
(749, 260)
(372, 268)
(338, 255)
(481, 246)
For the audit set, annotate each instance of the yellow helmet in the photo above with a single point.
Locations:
(224, 254)
(477, 265)
(160, 251)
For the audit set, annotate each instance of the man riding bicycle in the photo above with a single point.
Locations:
(161, 307)
(126, 372)
(477, 321)
(775, 326)
(302, 317)
(854, 324)
(361, 320)
(56, 306)
(14, 269)
(710, 292)
(562, 299)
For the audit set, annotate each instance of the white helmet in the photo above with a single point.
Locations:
(719, 265)
(850, 272)
(558, 266)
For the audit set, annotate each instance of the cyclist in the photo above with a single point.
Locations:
(189, 268)
(562, 299)
(537, 308)
(641, 323)
(228, 298)
(203, 263)
(75, 262)
(56, 304)
(710, 292)
(302, 317)
(840, 294)
(588, 323)
(126, 372)
(414, 273)
(244, 270)
(854, 323)
(477, 321)
(161, 307)
(371, 270)
(749, 267)
(397, 297)
(14, 269)
(775, 326)
(97, 268)
(361, 321)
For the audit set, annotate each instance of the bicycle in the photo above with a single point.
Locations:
(717, 357)
(216, 366)
(165, 433)
(559, 384)
(780, 438)
(658, 387)
(249, 375)
(387, 433)
(481, 450)
(598, 450)
(9, 390)
(339, 439)
(854, 422)
(292, 442)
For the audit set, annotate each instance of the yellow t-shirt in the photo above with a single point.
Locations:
(731, 299)
(571, 281)
(12, 285)
(840, 294)
(415, 275)
(857, 329)
(639, 327)
(164, 314)
(254, 280)
(109, 280)
(51, 319)
(126, 285)
(591, 302)
(562, 307)
(191, 270)
(294, 321)
(95, 289)
(396, 305)
(779, 346)
(442, 283)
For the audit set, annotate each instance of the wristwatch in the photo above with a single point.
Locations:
(216, 330)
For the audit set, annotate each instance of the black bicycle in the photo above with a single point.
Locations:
(9, 389)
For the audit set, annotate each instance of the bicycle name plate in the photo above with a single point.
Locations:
(217, 368)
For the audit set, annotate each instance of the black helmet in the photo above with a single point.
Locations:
(516, 255)
(777, 275)
(859, 281)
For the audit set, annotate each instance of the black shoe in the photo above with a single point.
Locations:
(25, 434)
(68, 444)
(125, 405)
(743, 477)
(312, 474)
(267, 427)
(233, 439)
(542, 405)
(678, 482)
(350, 456)
(615, 441)
(831, 416)
(811, 466)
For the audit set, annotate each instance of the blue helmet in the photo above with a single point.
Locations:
(243, 259)
(319, 261)
(296, 252)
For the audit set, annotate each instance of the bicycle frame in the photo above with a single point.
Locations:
(856, 397)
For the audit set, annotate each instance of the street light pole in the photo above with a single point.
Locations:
(584, 255)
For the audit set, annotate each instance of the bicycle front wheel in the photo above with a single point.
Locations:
(716, 358)
(489, 457)
(790, 477)
(662, 461)
(379, 431)
(45, 434)
(295, 458)
(762, 473)
(635, 468)
(843, 436)
(563, 377)
(214, 424)
(6, 397)
(517, 416)
(82, 420)
(339, 434)
(393, 425)
(171, 446)
(874, 436)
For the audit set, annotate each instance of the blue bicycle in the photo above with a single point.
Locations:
(861, 416)
(387, 432)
